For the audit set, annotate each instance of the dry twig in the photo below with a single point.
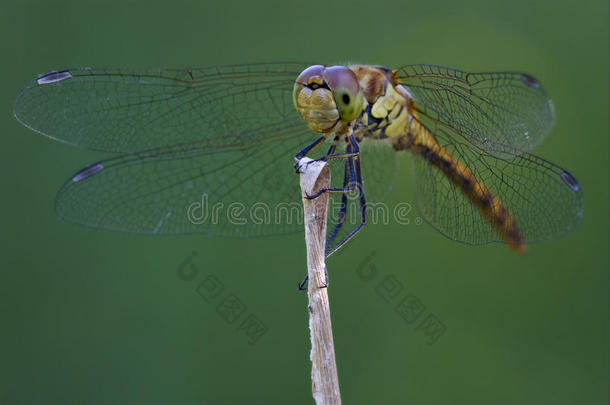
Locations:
(325, 384)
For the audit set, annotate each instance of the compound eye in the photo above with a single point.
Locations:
(310, 72)
(346, 91)
(341, 77)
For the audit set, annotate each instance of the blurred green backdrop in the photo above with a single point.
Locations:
(93, 317)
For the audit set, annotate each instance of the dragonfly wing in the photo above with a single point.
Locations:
(484, 108)
(123, 110)
(379, 169)
(545, 200)
(243, 191)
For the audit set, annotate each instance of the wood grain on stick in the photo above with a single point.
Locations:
(315, 176)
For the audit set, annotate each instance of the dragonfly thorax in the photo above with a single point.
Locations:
(386, 114)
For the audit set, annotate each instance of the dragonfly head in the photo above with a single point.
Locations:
(323, 96)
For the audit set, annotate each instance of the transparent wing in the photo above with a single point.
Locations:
(379, 169)
(545, 199)
(485, 108)
(123, 110)
(205, 150)
(242, 191)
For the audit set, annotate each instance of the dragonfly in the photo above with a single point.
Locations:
(211, 150)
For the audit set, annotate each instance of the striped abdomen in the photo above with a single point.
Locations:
(491, 207)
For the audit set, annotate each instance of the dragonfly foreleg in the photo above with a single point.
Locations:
(308, 148)
(311, 146)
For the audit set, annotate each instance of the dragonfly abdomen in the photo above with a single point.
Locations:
(490, 207)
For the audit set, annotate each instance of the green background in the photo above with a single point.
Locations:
(92, 317)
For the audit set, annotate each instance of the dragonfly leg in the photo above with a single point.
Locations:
(334, 144)
(330, 154)
(352, 172)
(348, 175)
(353, 153)
(303, 283)
(352, 180)
(308, 148)
(360, 187)
(351, 188)
(340, 156)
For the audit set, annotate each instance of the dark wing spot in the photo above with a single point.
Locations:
(54, 77)
(530, 81)
(570, 181)
(88, 172)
